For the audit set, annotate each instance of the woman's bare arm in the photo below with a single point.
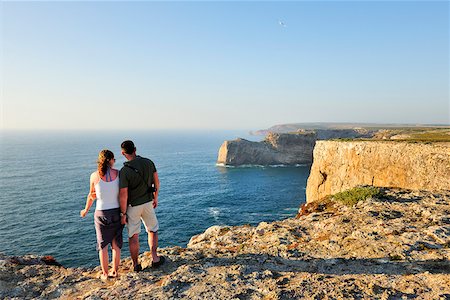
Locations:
(91, 196)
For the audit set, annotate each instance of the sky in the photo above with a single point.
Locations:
(222, 65)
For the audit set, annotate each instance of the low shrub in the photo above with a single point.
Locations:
(354, 195)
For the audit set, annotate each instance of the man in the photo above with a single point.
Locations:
(139, 187)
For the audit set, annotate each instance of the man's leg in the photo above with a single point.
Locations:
(151, 226)
(134, 248)
(153, 244)
(134, 228)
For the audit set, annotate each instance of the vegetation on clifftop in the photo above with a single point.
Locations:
(354, 195)
(426, 135)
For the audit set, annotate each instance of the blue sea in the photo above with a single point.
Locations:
(44, 182)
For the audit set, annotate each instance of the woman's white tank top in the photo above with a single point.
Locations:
(107, 194)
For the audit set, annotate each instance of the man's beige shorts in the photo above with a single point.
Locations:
(144, 212)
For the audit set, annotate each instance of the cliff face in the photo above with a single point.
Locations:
(339, 166)
(288, 149)
(282, 148)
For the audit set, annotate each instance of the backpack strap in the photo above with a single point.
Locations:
(151, 188)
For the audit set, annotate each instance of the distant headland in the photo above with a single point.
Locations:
(292, 144)
(317, 126)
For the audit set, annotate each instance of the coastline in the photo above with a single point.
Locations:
(261, 166)
(393, 244)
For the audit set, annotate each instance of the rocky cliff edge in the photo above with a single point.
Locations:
(396, 246)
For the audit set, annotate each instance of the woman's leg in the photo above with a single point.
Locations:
(103, 255)
(115, 257)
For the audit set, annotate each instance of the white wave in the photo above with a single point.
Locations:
(252, 166)
(260, 166)
(291, 209)
(214, 212)
(240, 166)
(302, 165)
(223, 165)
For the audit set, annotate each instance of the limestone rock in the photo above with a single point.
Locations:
(341, 165)
(282, 148)
(286, 149)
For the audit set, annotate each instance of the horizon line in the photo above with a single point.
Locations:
(226, 129)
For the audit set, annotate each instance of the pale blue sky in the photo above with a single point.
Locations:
(218, 65)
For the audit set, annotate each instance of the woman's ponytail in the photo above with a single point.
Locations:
(104, 158)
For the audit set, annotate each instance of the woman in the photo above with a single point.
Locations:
(104, 186)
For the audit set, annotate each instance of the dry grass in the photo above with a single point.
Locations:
(353, 196)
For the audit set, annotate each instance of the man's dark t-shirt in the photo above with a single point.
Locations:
(138, 183)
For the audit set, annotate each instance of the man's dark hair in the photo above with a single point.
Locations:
(128, 147)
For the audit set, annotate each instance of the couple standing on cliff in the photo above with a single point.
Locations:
(124, 197)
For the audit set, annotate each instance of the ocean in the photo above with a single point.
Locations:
(44, 182)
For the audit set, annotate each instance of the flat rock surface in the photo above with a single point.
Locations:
(397, 247)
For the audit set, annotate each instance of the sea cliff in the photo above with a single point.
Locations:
(341, 165)
(296, 147)
(276, 149)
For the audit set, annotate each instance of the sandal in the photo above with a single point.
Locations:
(155, 265)
(113, 274)
(137, 268)
(103, 277)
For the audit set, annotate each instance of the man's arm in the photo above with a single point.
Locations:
(123, 197)
(155, 194)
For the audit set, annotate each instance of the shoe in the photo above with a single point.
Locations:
(137, 268)
(158, 263)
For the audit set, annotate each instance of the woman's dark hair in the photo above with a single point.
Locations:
(104, 157)
(128, 147)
